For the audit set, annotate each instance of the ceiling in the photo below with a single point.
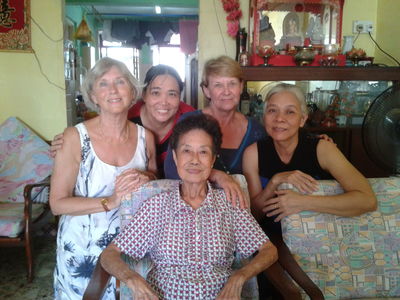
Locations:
(141, 8)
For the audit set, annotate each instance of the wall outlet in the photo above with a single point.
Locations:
(362, 26)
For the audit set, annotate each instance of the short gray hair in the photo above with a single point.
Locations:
(101, 67)
(293, 89)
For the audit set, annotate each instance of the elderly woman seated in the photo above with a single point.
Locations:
(192, 232)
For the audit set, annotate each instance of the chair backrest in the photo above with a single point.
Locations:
(24, 159)
(350, 258)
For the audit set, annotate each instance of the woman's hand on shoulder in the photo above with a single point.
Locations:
(232, 189)
(127, 182)
(56, 144)
(302, 181)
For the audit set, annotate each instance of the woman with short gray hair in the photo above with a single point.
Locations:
(289, 155)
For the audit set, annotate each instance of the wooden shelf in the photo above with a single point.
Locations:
(274, 73)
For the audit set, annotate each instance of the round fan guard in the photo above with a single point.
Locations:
(381, 130)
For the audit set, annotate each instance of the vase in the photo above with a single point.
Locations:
(347, 43)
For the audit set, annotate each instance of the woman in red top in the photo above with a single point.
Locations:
(160, 107)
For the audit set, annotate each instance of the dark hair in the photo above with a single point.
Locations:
(202, 122)
(158, 70)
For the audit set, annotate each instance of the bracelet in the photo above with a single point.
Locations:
(104, 202)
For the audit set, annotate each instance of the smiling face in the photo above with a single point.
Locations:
(162, 98)
(112, 92)
(224, 92)
(283, 116)
(194, 156)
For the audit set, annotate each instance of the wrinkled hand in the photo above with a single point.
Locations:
(232, 189)
(232, 289)
(141, 289)
(127, 182)
(56, 144)
(286, 203)
(303, 182)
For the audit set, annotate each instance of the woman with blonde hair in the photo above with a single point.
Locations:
(101, 160)
(222, 84)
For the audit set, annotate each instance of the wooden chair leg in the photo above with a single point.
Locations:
(28, 252)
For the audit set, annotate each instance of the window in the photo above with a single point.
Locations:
(129, 56)
(170, 55)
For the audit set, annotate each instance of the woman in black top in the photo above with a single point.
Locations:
(288, 156)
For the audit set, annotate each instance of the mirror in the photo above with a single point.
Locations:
(284, 24)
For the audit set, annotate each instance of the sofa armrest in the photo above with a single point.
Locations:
(350, 257)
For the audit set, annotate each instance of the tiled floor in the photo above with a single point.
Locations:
(13, 282)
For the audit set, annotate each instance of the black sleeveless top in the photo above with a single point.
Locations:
(304, 158)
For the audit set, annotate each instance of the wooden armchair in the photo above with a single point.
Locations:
(100, 278)
(25, 216)
(98, 284)
(25, 166)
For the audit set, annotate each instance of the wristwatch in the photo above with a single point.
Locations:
(104, 202)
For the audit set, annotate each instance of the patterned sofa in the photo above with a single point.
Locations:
(351, 258)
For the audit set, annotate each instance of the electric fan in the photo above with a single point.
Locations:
(381, 130)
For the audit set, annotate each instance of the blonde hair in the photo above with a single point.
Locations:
(221, 66)
(285, 87)
(101, 67)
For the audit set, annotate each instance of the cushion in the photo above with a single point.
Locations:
(24, 158)
(12, 217)
(350, 258)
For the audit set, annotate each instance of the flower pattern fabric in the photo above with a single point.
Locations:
(81, 239)
(350, 258)
(24, 159)
(192, 250)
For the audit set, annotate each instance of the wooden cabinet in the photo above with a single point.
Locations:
(348, 139)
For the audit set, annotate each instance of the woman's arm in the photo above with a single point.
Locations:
(63, 179)
(258, 196)
(357, 199)
(111, 261)
(267, 255)
(232, 189)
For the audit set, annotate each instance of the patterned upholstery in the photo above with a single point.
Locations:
(351, 258)
(24, 159)
(131, 204)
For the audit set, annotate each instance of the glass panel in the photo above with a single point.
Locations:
(284, 24)
(345, 101)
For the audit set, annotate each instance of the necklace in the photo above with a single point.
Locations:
(126, 134)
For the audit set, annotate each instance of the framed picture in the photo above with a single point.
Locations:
(284, 24)
(15, 26)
